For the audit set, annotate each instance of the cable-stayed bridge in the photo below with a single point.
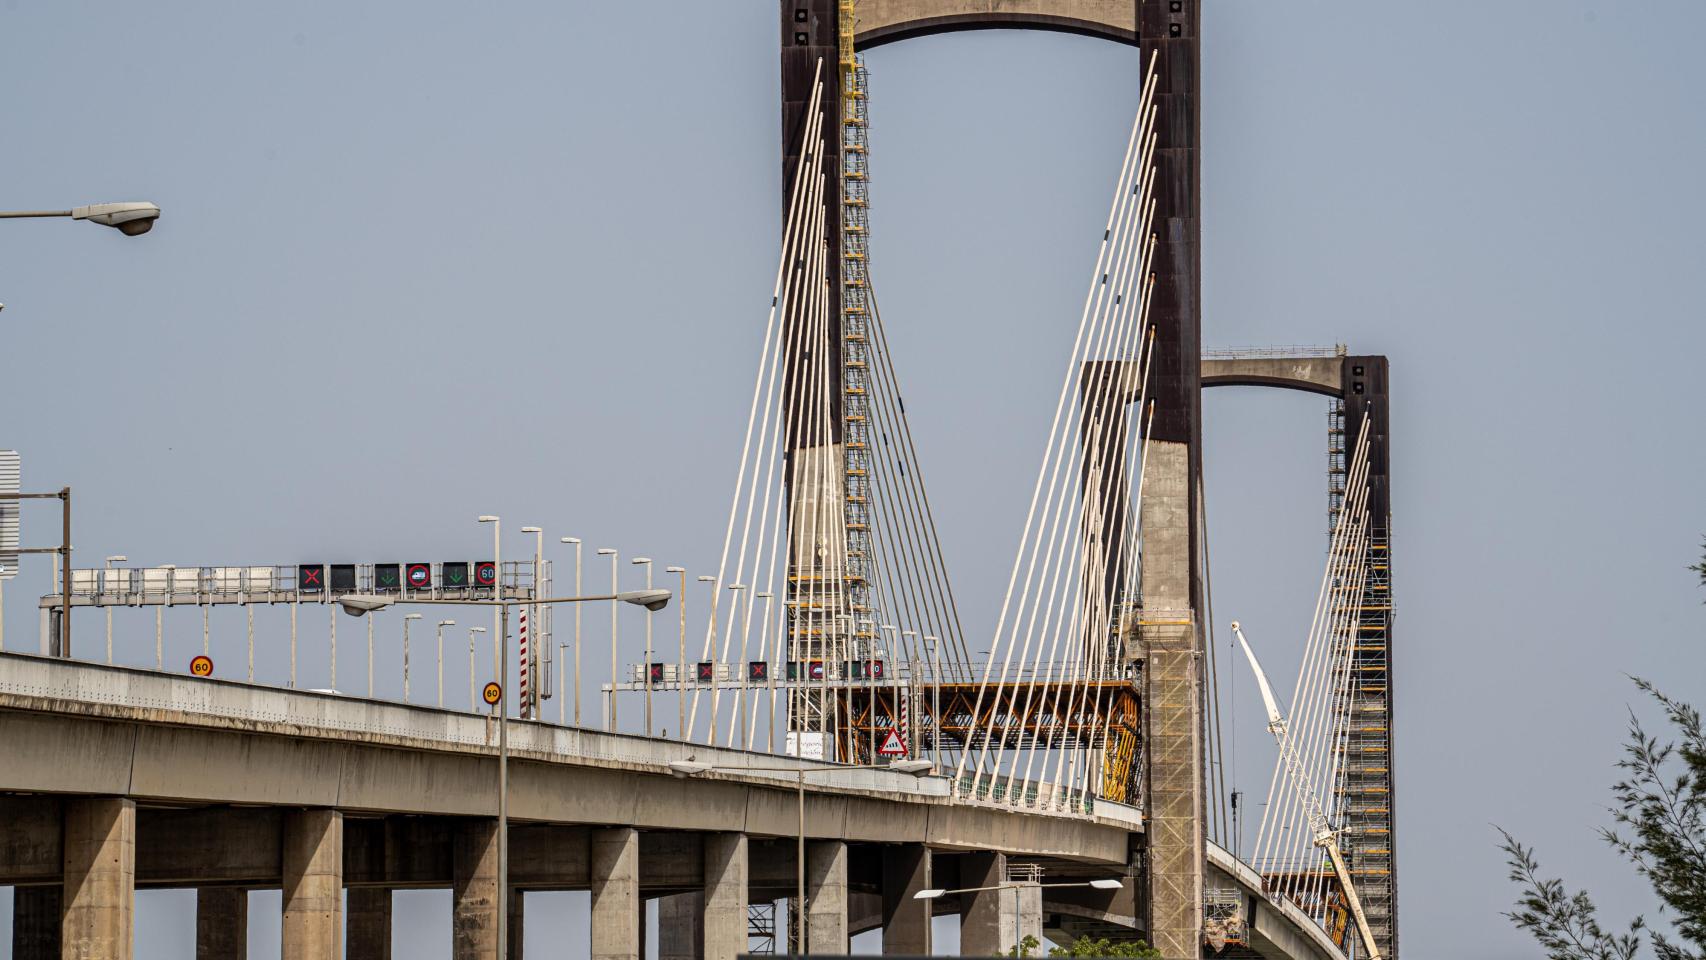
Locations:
(1085, 744)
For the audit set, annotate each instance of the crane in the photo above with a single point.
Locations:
(1323, 833)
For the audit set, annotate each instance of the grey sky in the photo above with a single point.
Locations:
(422, 262)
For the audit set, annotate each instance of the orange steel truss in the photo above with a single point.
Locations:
(1097, 714)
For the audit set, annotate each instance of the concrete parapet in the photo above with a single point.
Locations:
(313, 927)
(100, 880)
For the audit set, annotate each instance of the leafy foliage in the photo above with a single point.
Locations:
(1700, 567)
(1660, 818)
(1085, 947)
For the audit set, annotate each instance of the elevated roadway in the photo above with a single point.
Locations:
(211, 784)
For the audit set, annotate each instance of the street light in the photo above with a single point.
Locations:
(471, 632)
(680, 687)
(693, 768)
(1105, 883)
(647, 673)
(610, 700)
(131, 219)
(536, 679)
(406, 618)
(160, 627)
(441, 625)
(110, 561)
(711, 646)
(577, 542)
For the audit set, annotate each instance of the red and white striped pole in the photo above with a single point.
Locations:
(526, 697)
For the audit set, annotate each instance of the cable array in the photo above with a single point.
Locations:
(1312, 747)
(1071, 595)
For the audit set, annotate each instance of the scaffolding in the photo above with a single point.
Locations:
(1362, 805)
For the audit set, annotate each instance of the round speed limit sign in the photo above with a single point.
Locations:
(492, 694)
(202, 666)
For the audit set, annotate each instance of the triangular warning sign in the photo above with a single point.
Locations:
(892, 745)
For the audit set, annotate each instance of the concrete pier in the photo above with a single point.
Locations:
(367, 928)
(681, 926)
(474, 891)
(615, 880)
(725, 895)
(906, 921)
(35, 922)
(100, 880)
(313, 927)
(221, 923)
(981, 931)
(826, 897)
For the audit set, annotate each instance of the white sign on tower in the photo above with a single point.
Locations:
(8, 515)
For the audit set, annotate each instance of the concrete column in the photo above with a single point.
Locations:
(725, 895)
(981, 929)
(474, 891)
(681, 926)
(100, 880)
(367, 928)
(826, 896)
(616, 916)
(516, 917)
(35, 922)
(313, 927)
(906, 921)
(221, 923)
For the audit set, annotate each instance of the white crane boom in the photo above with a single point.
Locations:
(1298, 777)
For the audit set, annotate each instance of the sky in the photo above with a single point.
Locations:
(429, 261)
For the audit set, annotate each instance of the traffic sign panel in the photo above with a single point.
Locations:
(310, 577)
(419, 576)
(492, 694)
(202, 665)
(485, 573)
(892, 746)
(387, 576)
(454, 573)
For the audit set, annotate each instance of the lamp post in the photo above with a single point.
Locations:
(933, 644)
(110, 561)
(577, 542)
(471, 632)
(680, 684)
(160, 628)
(441, 625)
(712, 582)
(740, 714)
(406, 618)
(360, 604)
(691, 768)
(535, 678)
(647, 671)
(130, 219)
(769, 674)
(610, 699)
